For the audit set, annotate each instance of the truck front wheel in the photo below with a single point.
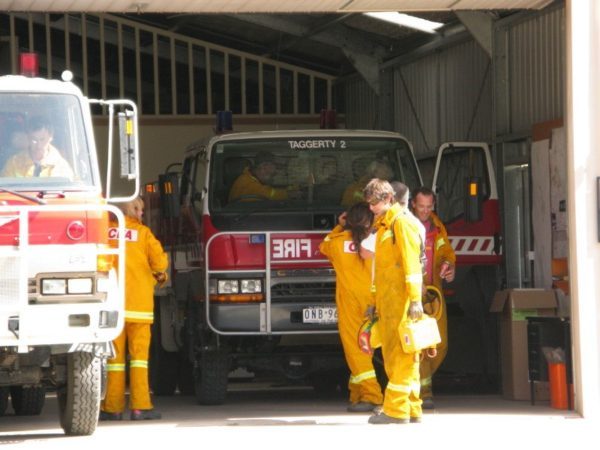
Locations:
(211, 377)
(79, 399)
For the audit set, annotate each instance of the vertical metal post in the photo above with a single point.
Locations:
(192, 94)
(173, 76)
(208, 81)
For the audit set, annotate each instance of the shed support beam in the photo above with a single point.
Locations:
(364, 56)
(480, 25)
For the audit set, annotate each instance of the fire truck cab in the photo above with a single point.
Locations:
(61, 296)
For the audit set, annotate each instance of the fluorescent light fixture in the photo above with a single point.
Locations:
(405, 20)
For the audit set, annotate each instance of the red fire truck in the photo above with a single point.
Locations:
(250, 289)
(61, 302)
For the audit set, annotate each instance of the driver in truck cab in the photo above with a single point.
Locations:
(40, 158)
(254, 184)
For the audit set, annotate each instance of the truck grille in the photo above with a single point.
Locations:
(310, 292)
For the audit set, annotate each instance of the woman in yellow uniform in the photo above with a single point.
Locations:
(398, 282)
(146, 263)
(353, 297)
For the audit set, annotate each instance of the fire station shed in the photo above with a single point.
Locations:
(517, 74)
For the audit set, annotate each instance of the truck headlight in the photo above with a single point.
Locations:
(54, 286)
(251, 286)
(228, 287)
(80, 285)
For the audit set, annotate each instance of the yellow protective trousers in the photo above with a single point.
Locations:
(401, 398)
(352, 297)
(398, 281)
(134, 338)
(363, 385)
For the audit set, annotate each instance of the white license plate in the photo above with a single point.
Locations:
(320, 314)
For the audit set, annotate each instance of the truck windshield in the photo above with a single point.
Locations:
(298, 174)
(43, 144)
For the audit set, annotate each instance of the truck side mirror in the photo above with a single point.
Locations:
(473, 200)
(168, 188)
(127, 145)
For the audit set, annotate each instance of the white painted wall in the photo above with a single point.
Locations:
(583, 139)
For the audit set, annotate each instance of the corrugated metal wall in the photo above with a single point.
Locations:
(361, 105)
(443, 96)
(536, 68)
(448, 95)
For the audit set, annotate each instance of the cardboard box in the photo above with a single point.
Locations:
(513, 307)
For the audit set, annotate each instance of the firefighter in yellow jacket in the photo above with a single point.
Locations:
(398, 284)
(254, 184)
(146, 264)
(440, 265)
(353, 297)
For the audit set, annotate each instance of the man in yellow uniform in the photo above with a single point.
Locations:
(40, 158)
(146, 263)
(440, 266)
(254, 184)
(353, 297)
(398, 284)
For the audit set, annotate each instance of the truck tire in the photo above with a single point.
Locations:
(79, 399)
(28, 400)
(4, 391)
(211, 378)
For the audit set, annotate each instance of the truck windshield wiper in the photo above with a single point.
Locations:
(25, 196)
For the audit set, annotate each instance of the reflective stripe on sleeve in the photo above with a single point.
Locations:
(139, 315)
(115, 367)
(439, 243)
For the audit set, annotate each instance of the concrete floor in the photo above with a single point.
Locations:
(295, 418)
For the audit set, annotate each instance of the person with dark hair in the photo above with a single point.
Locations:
(398, 286)
(254, 184)
(41, 158)
(353, 298)
(440, 267)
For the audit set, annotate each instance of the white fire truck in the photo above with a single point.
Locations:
(249, 287)
(61, 301)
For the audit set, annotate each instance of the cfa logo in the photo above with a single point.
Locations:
(291, 248)
(349, 247)
(130, 235)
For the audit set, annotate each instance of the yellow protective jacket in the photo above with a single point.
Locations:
(144, 256)
(442, 250)
(53, 165)
(353, 296)
(249, 188)
(399, 261)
